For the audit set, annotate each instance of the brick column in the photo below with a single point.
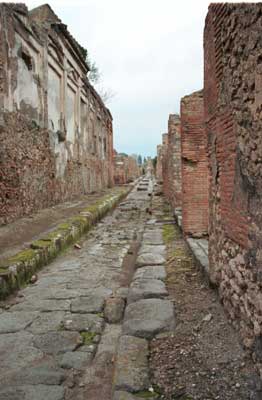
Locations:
(194, 166)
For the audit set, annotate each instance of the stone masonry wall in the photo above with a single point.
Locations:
(233, 116)
(194, 166)
(165, 163)
(173, 162)
(159, 173)
(56, 139)
(126, 169)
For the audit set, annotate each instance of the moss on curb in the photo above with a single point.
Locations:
(16, 271)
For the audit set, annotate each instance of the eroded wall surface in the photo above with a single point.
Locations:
(56, 138)
(126, 169)
(159, 172)
(171, 165)
(195, 176)
(233, 115)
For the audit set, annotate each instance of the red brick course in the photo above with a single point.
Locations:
(233, 117)
(195, 176)
(171, 164)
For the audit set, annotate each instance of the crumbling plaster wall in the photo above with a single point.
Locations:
(233, 115)
(56, 134)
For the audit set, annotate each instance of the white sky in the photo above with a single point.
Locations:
(150, 53)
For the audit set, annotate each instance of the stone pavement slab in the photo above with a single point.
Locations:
(146, 289)
(89, 304)
(33, 392)
(151, 272)
(57, 342)
(46, 322)
(153, 249)
(83, 322)
(36, 304)
(146, 318)
(16, 352)
(153, 237)
(75, 359)
(132, 373)
(150, 259)
(16, 321)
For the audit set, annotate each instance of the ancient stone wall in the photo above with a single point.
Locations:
(233, 116)
(194, 166)
(174, 157)
(165, 172)
(56, 138)
(126, 169)
(171, 161)
(159, 173)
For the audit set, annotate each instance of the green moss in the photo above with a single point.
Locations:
(3, 270)
(41, 244)
(88, 337)
(100, 314)
(146, 395)
(64, 226)
(168, 233)
(178, 253)
(23, 256)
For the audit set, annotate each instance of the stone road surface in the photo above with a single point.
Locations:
(82, 330)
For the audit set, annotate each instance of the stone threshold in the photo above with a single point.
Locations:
(16, 271)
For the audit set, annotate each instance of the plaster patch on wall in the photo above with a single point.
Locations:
(70, 112)
(26, 95)
(54, 99)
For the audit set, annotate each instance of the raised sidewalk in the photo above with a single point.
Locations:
(32, 242)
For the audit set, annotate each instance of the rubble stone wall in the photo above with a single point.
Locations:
(174, 159)
(194, 166)
(233, 116)
(165, 164)
(159, 167)
(56, 139)
(126, 169)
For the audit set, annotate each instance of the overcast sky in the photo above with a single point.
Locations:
(150, 53)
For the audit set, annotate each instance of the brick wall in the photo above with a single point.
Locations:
(233, 116)
(56, 139)
(171, 164)
(194, 166)
(126, 169)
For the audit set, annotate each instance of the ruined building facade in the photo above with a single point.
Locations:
(194, 159)
(126, 169)
(171, 161)
(221, 155)
(233, 115)
(56, 139)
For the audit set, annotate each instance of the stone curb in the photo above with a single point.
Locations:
(17, 270)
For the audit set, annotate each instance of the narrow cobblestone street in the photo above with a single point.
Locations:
(100, 323)
(52, 330)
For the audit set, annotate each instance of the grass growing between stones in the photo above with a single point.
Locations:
(147, 395)
(88, 337)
